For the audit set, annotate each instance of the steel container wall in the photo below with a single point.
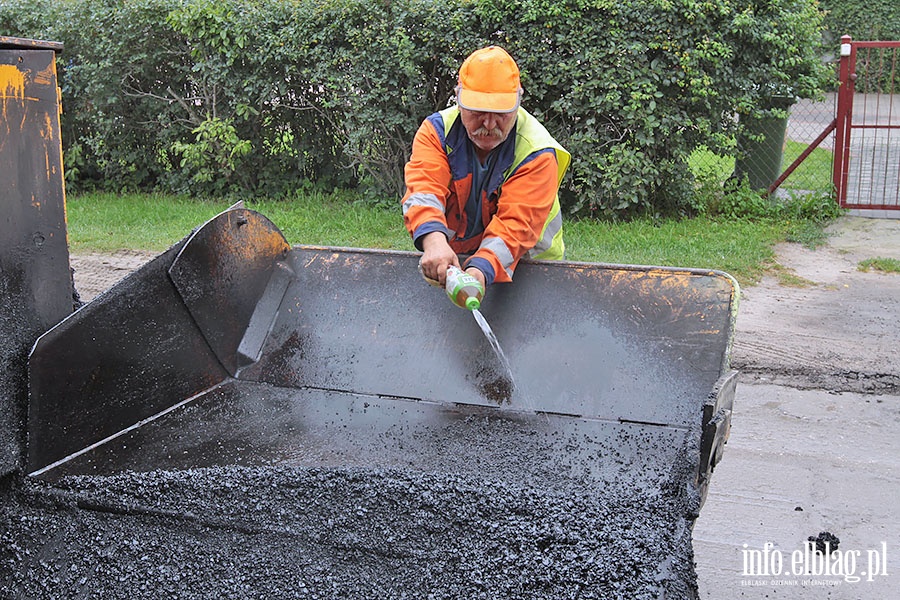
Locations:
(35, 280)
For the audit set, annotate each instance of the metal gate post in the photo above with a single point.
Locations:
(840, 169)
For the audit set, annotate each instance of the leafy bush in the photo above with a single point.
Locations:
(739, 201)
(255, 96)
(213, 158)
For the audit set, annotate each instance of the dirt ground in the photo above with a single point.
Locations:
(837, 331)
(813, 446)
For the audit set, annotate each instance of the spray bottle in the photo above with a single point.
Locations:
(463, 289)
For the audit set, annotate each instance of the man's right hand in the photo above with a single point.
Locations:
(437, 256)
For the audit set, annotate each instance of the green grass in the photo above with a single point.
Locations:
(814, 173)
(884, 265)
(741, 248)
(109, 222)
(106, 222)
(334, 220)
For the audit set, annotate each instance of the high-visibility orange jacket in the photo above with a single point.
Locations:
(520, 214)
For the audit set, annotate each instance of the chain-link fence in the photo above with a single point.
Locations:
(807, 121)
(774, 144)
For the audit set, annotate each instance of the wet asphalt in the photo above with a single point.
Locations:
(336, 533)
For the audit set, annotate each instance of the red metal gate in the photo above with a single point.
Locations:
(866, 172)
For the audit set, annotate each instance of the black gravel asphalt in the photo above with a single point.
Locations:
(337, 533)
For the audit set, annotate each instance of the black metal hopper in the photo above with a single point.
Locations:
(233, 350)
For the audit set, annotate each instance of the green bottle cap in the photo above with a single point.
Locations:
(473, 303)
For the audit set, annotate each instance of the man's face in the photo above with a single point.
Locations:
(487, 130)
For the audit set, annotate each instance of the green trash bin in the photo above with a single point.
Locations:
(760, 159)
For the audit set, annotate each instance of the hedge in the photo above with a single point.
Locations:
(257, 97)
(865, 20)
(869, 20)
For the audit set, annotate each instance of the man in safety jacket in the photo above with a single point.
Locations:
(483, 178)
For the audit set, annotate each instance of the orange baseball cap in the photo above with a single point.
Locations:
(489, 82)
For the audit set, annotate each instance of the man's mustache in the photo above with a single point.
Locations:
(485, 132)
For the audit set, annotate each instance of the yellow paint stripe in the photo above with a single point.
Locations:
(12, 82)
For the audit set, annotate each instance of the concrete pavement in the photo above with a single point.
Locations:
(815, 431)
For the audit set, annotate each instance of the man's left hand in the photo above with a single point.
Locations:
(477, 274)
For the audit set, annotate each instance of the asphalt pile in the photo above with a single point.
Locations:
(288, 532)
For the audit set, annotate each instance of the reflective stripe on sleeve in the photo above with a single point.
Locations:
(499, 247)
(553, 227)
(420, 199)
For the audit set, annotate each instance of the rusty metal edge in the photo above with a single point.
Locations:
(13, 43)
